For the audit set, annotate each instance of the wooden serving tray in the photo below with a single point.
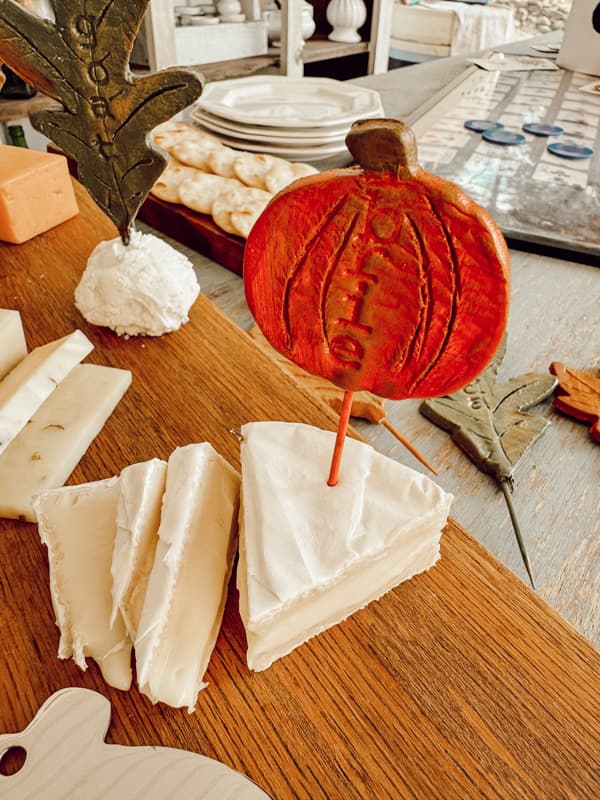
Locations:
(197, 231)
(458, 685)
(194, 230)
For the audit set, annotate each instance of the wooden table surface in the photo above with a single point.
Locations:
(554, 316)
(461, 683)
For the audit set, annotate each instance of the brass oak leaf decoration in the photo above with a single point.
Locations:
(489, 421)
(82, 60)
(578, 394)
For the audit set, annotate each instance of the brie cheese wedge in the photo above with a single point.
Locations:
(310, 554)
(51, 445)
(141, 489)
(12, 340)
(78, 525)
(34, 378)
(185, 597)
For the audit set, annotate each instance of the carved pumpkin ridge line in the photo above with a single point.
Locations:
(415, 346)
(330, 273)
(454, 270)
(399, 357)
(291, 277)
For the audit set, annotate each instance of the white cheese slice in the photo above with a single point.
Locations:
(12, 340)
(311, 554)
(138, 516)
(51, 445)
(34, 378)
(78, 526)
(186, 593)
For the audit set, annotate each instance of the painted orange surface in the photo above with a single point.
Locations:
(397, 284)
(36, 193)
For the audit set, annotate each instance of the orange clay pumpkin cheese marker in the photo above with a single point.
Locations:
(380, 277)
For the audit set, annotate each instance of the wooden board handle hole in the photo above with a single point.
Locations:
(12, 760)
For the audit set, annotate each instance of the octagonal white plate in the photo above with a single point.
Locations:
(283, 102)
(316, 153)
(283, 136)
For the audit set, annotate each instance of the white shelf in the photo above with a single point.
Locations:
(165, 49)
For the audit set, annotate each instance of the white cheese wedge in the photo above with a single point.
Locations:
(311, 554)
(12, 340)
(51, 445)
(34, 378)
(186, 593)
(138, 516)
(78, 525)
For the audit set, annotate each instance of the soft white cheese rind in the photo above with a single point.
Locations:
(34, 379)
(78, 525)
(51, 445)
(186, 593)
(310, 554)
(12, 340)
(141, 489)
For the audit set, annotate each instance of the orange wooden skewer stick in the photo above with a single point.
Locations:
(407, 444)
(336, 459)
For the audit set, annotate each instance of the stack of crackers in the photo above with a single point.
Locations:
(232, 186)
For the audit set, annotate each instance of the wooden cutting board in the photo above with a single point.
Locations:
(197, 231)
(68, 760)
(460, 684)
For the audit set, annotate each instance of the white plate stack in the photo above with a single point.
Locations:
(300, 119)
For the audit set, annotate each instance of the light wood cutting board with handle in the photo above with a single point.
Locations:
(66, 758)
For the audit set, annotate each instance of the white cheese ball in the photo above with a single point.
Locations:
(143, 288)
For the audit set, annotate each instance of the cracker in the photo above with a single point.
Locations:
(278, 177)
(171, 134)
(245, 203)
(251, 168)
(221, 161)
(167, 186)
(243, 219)
(282, 174)
(199, 191)
(301, 170)
(195, 152)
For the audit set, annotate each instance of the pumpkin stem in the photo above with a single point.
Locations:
(384, 145)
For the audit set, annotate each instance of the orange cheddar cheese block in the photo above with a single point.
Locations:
(36, 193)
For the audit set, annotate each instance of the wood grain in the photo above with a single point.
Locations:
(558, 493)
(459, 684)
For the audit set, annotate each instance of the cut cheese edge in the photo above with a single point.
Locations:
(34, 379)
(141, 489)
(36, 193)
(12, 341)
(51, 445)
(78, 526)
(311, 554)
(186, 593)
